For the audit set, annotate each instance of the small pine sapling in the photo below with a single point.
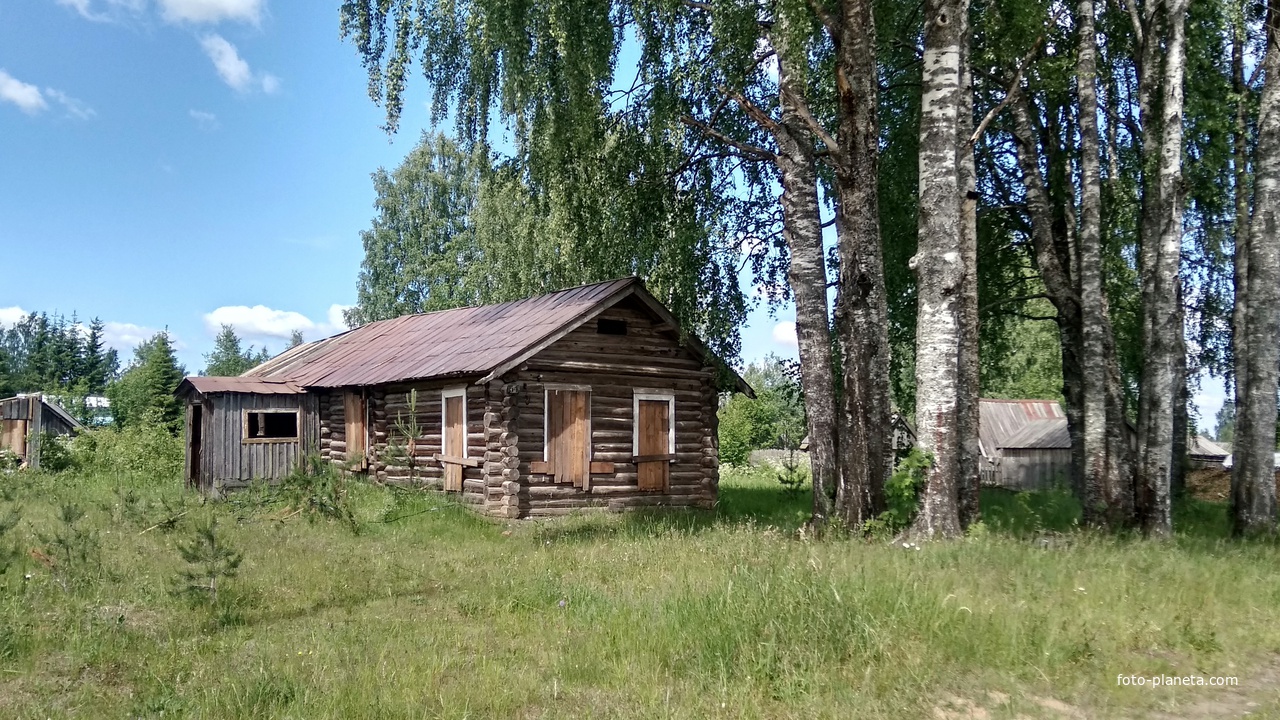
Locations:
(75, 551)
(405, 449)
(210, 558)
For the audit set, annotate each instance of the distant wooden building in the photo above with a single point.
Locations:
(1204, 453)
(1025, 444)
(586, 399)
(26, 420)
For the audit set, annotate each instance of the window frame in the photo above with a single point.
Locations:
(244, 425)
(655, 395)
(546, 417)
(445, 394)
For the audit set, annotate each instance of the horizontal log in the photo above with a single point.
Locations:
(665, 457)
(452, 460)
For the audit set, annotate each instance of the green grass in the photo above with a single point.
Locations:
(429, 611)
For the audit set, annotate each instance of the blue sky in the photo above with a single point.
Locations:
(181, 163)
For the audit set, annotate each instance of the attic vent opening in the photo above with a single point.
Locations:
(611, 327)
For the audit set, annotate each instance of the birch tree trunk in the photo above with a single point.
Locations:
(807, 275)
(1102, 477)
(1253, 493)
(1161, 248)
(862, 312)
(1239, 328)
(939, 270)
(969, 376)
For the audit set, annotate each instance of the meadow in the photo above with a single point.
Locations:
(414, 608)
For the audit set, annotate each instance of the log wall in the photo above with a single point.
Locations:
(615, 366)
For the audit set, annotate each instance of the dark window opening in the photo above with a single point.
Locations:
(611, 327)
(273, 426)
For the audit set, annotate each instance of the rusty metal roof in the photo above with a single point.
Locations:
(1040, 435)
(260, 386)
(1002, 422)
(468, 341)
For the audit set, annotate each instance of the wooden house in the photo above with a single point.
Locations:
(586, 399)
(1203, 453)
(26, 420)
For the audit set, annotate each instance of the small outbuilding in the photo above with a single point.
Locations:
(591, 398)
(1025, 444)
(26, 420)
(1204, 453)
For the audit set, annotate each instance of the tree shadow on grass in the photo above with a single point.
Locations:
(760, 506)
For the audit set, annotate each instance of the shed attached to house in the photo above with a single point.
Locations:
(242, 429)
(590, 398)
(26, 420)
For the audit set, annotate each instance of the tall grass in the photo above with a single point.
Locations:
(431, 611)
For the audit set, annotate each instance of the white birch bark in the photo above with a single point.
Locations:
(807, 275)
(1253, 493)
(939, 270)
(1161, 248)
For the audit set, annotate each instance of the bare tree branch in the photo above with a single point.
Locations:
(748, 149)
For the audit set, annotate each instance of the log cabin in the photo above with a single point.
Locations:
(587, 399)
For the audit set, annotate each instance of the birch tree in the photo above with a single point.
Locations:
(1253, 493)
(1162, 40)
(939, 269)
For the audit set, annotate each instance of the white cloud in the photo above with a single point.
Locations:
(260, 322)
(31, 100)
(785, 333)
(336, 319)
(233, 69)
(75, 108)
(211, 11)
(114, 9)
(124, 337)
(25, 95)
(10, 316)
(206, 120)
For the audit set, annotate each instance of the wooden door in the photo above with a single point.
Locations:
(653, 463)
(357, 431)
(455, 441)
(569, 436)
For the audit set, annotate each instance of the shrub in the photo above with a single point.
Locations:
(901, 494)
(55, 453)
(318, 489)
(147, 452)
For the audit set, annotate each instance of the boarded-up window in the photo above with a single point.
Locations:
(357, 432)
(654, 440)
(13, 436)
(454, 421)
(568, 438)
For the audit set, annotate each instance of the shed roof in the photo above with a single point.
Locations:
(1201, 446)
(1040, 435)
(1002, 423)
(260, 386)
(486, 340)
(49, 405)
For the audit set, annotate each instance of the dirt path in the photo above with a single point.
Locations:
(1257, 696)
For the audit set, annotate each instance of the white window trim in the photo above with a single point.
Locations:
(546, 417)
(659, 395)
(445, 394)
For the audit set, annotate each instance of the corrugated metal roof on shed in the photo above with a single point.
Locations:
(259, 386)
(1000, 420)
(1040, 435)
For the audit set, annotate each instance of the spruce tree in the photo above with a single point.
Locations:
(144, 394)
